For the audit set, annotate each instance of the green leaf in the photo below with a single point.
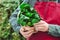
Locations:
(28, 15)
(22, 6)
(34, 21)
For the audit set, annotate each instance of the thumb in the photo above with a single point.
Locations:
(22, 29)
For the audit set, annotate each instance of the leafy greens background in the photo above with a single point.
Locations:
(6, 9)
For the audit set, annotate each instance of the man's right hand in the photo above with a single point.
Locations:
(27, 31)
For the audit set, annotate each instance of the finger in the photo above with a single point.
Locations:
(27, 36)
(32, 28)
(30, 35)
(39, 25)
(27, 28)
(39, 28)
(27, 33)
(22, 29)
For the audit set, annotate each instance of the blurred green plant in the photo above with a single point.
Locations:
(6, 8)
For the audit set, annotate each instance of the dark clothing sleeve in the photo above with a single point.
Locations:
(58, 1)
(13, 20)
(54, 30)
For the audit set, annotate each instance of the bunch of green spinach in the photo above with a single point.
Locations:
(27, 15)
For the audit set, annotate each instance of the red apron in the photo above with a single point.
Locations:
(49, 12)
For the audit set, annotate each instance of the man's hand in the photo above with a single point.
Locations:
(41, 26)
(27, 31)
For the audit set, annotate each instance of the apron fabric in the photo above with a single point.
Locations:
(49, 12)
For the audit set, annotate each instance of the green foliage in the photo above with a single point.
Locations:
(6, 8)
(28, 15)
